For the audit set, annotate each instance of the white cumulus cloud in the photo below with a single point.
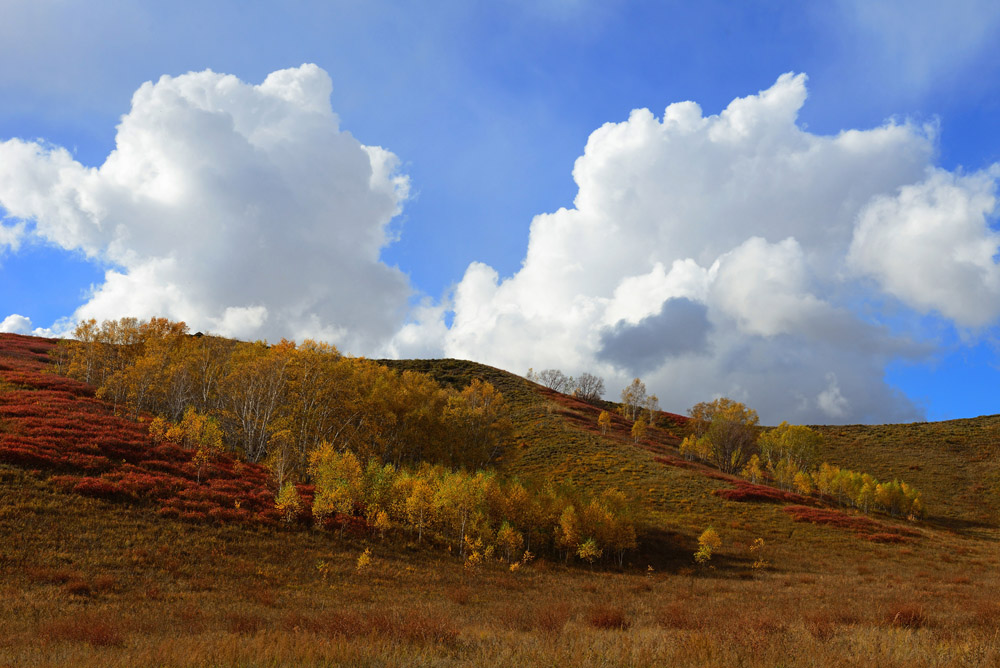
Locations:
(242, 209)
(932, 246)
(15, 324)
(728, 237)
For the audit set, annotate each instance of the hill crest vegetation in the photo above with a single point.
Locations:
(348, 441)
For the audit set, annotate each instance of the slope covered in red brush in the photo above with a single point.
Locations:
(53, 424)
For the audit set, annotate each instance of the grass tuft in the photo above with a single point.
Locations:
(608, 616)
(89, 628)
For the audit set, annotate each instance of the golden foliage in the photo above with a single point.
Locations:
(731, 431)
(709, 543)
(288, 503)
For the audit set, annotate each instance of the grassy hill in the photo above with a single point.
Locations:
(164, 569)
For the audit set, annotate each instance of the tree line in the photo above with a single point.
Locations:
(347, 439)
(726, 433)
(586, 386)
(276, 404)
(478, 515)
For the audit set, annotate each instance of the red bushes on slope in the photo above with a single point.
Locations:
(864, 527)
(52, 423)
(746, 491)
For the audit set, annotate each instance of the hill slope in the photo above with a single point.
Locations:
(123, 580)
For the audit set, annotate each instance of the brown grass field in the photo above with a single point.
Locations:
(94, 582)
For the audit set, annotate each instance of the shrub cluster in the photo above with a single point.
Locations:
(477, 515)
(277, 403)
(55, 424)
(785, 457)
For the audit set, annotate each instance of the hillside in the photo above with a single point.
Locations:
(166, 567)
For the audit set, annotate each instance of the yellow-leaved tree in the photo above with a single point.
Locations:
(337, 477)
(708, 544)
(196, 431)
(420, 505)
(638, 429)
(288, 502)
(568, 531)
(604, 421)
(797, 443)
(633, 399)
(480, 417)
(731, 431)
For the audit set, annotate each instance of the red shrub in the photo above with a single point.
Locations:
(606, 616)
(865, 527)
(209, 496)
(97, 487)
(26, 457)
(170, 452)
(146, 485)
(906, 615)
(89, 628)
(88, 463)
(54, 423)
(228, 515)
(161, 466)
(745, 491)
(269, 515)
(231, 487)
(185, 506)
(887, 538)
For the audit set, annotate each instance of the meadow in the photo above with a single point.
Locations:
(162, 566)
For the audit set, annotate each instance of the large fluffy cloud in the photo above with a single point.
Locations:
(727, 254)
(243, 209)
(931, 245)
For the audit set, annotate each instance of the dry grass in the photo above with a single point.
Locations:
(608, 616)
(267, 604)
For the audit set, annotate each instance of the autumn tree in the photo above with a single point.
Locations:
(588, 551)
(784, 472)
(633, 399)
(638, 429)
(604, 421)
(418, 420)
(84, 359)
(420, 505)
(481, 418)
(568, 531)
(554, 379)
(457, 500)
(281, 456)
(196, 431)
(708, 544)
(803, 483)
(589, 387)
(752, 471)
(288, 502)
(318, 402)
(510, 542)
(377, 486)
(731, 430)
(337, 477)
(277, 403)
(757, 549)
(652, 407)
(254, 391)
(608, 520)
(797, 443)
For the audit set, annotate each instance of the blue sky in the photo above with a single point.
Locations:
(487, 107)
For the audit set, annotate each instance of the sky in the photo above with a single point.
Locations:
(790, 204)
